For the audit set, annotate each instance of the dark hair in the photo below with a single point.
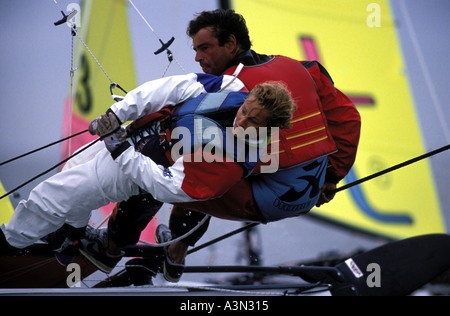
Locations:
(224, 23)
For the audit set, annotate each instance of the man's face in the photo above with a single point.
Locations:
(212, 57)
(251, 114)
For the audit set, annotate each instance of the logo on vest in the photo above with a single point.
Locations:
(306, 189)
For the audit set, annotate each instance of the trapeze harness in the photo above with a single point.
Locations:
(301, 152)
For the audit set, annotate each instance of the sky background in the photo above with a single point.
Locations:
(35, 59)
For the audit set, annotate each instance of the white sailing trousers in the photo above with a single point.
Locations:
(69, 197)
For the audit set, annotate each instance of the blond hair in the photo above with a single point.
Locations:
(277, 100)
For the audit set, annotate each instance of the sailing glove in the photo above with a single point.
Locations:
(105, 124)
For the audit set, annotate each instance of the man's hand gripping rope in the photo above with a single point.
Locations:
(105, 125)
(108, 127)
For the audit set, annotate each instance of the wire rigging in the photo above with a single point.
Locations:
(164, 46)
(67, 19)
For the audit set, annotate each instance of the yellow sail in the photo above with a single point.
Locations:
(5, 207)
(357, 42)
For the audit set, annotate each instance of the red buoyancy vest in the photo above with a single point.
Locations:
(309, 136)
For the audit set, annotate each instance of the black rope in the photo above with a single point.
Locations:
(50, 169)
(400, 165)
(206, 244)
(43, 147)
